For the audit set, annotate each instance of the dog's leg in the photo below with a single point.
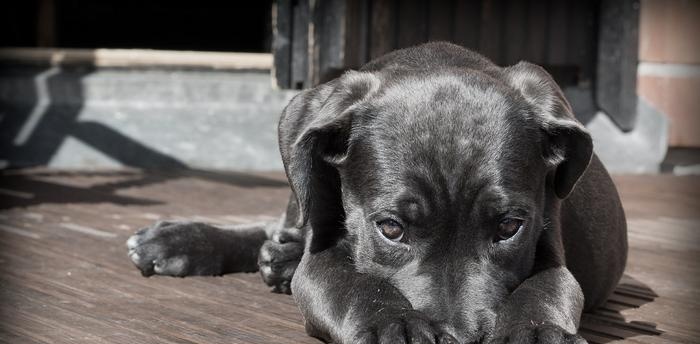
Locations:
(341, 305)
(193, 248)
(545, 308)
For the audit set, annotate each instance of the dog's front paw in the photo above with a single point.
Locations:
(402, 326)
(536, 334)
(176, 249)
(279, 258)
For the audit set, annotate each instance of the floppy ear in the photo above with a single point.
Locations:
(314, 131)
(567, 146)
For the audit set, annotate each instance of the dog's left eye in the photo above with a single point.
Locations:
(391, 229)
(507, 228)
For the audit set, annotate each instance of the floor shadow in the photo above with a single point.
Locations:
(607, 324)
(23, 191)
(240, 179)
(23, 188)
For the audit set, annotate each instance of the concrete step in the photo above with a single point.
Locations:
(80, 118)
(641, 150)
(172, 118)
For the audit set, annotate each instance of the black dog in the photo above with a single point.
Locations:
(439, 199)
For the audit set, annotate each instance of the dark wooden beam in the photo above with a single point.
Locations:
(412, 22)
(467, 23)
(357, 33)
(440, 20)
(491, 31)
(326, 40)
(383, 28)
(616, 77)
(46, 24)
(281, 44)
(300, 45)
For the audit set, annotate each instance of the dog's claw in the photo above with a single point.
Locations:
(166, 249)
(278, 261)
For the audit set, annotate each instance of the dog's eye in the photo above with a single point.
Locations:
(508, 228)
(391, 229)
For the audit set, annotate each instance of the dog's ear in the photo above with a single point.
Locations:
(314, 134)
(567, 146)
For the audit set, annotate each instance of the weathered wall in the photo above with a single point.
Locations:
(669, 69)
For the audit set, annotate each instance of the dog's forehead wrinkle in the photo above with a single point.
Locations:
(438, 180)
(446, 89)
(452, 138)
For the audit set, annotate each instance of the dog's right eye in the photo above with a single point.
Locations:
(390, 229)
(508, 228)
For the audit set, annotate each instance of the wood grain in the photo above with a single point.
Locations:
(65, 277)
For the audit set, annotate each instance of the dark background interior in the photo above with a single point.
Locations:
(242, 26)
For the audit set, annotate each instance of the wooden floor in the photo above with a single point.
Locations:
(65, 276)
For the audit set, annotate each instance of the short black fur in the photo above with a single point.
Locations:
(447, 146)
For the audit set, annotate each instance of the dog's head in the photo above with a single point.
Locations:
(442, 181)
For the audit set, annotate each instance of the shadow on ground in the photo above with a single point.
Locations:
(23, 188)
(607, 324)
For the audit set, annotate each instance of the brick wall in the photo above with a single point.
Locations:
(669, 69)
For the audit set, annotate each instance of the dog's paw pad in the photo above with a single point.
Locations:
(167, 248)
(175, 266)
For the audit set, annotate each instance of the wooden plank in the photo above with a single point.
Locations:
(300, 77)
(582, 40)
(516, 31)
(467, 23)
(66, 286)
(616, 81)
(558, 33)
(356, 33)
(281, 43)
(412, 22)
(327, 47)
(382, 38)
(491, 33)
(537, 18)
(46, 23)
(440, 20)
(76, 286)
